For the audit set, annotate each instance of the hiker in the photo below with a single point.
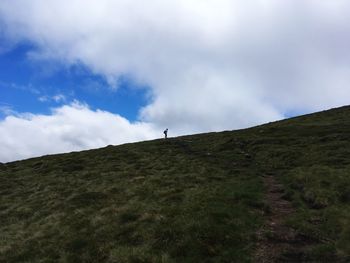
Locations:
(166, 133)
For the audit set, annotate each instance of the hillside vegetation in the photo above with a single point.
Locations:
(198, 198)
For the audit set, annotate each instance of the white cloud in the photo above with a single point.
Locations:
(69, 128)
(211, 65)
(6, 109)
(59, 98)
(56, 98)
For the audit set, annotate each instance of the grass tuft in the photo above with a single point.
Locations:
(196, 198)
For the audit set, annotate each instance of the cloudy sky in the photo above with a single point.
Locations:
(81, 74)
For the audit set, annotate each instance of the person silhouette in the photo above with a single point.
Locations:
(166, 133)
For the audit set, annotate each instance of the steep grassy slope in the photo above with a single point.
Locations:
(197, 198)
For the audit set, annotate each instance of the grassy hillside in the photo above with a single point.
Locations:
(198, 198)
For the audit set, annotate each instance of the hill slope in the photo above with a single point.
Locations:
(199, 198)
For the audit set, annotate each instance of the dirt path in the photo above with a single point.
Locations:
(276, 241)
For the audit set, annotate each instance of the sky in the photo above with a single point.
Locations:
(82, 74)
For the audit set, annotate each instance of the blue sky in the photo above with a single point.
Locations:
(29, 85)
(82, 74)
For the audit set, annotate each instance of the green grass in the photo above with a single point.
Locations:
(160, 201)
(312, 161)
(197, 198)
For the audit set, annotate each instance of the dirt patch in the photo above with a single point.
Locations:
(276, 241)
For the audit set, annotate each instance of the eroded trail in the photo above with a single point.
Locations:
(276, 241)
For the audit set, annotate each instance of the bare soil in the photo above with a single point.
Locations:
(276, 241)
